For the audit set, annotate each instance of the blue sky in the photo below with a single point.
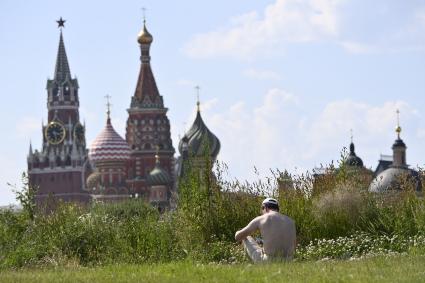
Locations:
(282, 81)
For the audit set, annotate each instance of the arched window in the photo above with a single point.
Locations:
(55, 91)
(66, 89)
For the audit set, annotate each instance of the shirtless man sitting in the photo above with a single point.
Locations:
(277, 232)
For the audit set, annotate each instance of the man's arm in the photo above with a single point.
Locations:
(248, 230)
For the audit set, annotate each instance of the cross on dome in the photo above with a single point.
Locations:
(144, 14)
(398, 128)
(197, 98)
(108, 105)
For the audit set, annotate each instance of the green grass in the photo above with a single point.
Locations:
(408, 268)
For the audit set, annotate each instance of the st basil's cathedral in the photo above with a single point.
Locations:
(113, 168)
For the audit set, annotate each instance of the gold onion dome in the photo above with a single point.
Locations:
(93, 180)
(144, 36)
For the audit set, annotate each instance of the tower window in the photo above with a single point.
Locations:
(55, 91)
(67, 90)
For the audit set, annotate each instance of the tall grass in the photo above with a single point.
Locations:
(210, 209)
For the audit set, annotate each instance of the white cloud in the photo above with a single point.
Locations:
(357, 47)
(353, 25)
(261, 74)
(253, 136)
(283, 21)
(279, 134)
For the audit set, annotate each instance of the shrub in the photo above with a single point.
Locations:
(340, 220)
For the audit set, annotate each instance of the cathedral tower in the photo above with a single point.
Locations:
(58, 169)
(148, 127)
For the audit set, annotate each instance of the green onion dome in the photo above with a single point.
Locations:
(198, 139)
(158, 176)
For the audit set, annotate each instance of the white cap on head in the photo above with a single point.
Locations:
(270, 201)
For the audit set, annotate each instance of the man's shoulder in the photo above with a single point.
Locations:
(258, 218)
(288, 219)
(283, 217)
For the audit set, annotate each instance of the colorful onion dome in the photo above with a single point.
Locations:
(144, 36)
(199, 138)
(109, 146)
(158, 176)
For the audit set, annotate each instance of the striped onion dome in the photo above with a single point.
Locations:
(199, 138)
(109, 146)
(158, 176)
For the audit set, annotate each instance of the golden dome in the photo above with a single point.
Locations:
(144, 36)
(93, 180)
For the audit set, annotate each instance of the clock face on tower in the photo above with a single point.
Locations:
(55, 133)
(79, 133)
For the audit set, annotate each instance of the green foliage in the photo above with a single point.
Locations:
(339, 220)
(130, 231)
(359, 245)
(210, 211)
(26, 196)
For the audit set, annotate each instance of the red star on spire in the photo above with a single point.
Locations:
(61, 23)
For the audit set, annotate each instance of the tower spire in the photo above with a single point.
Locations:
(30, 150)
(352, 143)
(399, 147)
(398, 128)
(146, 94)
(62, 67)
(108, 107)
(198, 104)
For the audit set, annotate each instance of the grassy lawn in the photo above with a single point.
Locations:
(393, 269)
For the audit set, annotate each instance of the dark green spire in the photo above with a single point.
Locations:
(62, 67)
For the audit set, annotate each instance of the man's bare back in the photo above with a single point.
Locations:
(278, 233)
